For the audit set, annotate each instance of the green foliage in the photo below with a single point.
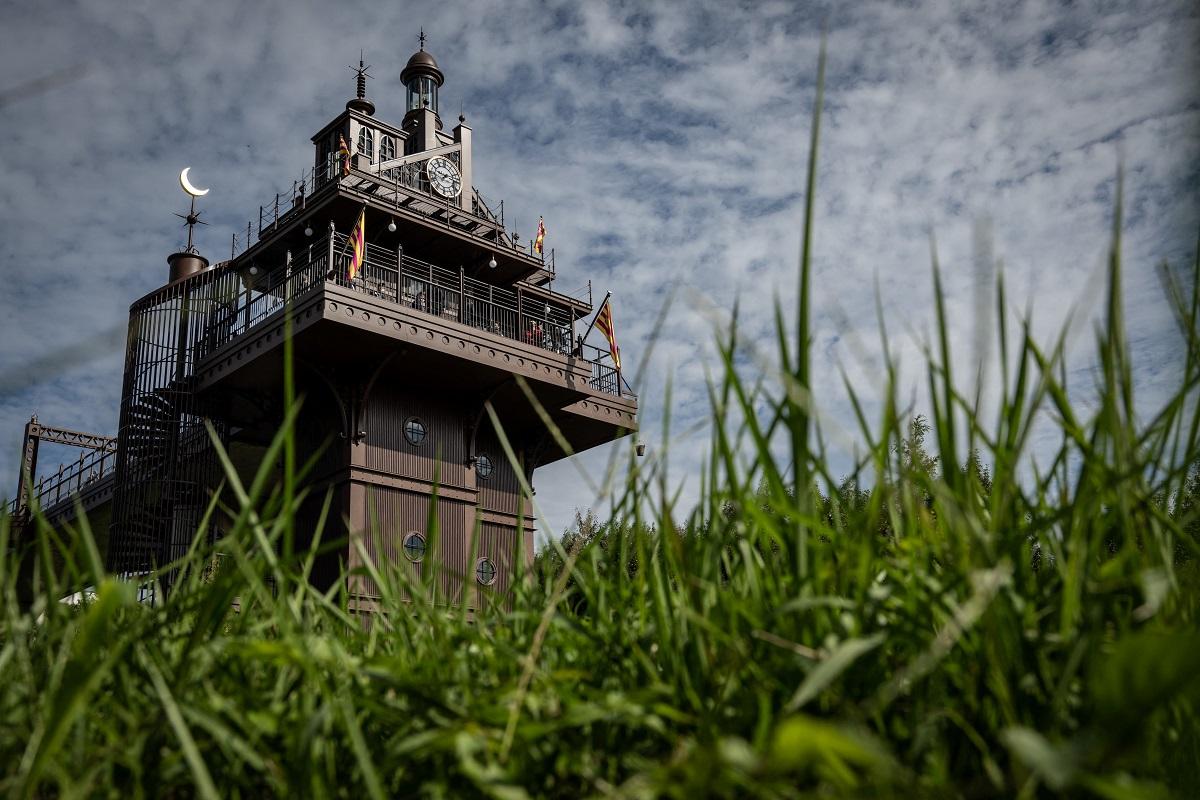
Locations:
(950, 620)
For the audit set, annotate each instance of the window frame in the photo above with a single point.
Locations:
(415, 420)
(388, 142)
(479, 566)
(405, 549)
(484, 472)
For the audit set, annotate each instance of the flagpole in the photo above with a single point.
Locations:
(598, 310)
(618, 367)
(346, 244)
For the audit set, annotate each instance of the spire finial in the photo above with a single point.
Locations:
(422, 37)
(191, 220)
(361, 74)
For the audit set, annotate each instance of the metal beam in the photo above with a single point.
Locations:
(89, 441)
(35, 432)
(412, 159)
(29, 449)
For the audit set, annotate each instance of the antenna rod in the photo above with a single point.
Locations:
(191, 221)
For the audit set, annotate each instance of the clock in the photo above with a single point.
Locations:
(443, 177)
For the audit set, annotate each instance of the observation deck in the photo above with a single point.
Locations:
(405, 193)
(456, 332)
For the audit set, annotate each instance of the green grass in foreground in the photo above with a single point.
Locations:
(953, 632)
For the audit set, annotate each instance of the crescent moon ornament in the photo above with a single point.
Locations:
(187, 185)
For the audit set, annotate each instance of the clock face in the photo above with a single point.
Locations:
(443, 177)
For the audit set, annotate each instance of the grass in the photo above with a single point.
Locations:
(946, 621)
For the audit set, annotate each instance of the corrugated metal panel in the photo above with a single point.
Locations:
(387, 450)
(318, 428)
(327, 568)
(393, 513)
(499, 544)
(500, 491)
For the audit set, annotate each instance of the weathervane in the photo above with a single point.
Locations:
(192, 218)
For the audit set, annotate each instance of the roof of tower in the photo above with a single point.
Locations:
(422, 58)
(422, 62)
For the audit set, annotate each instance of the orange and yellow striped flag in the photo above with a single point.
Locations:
(358, 244)
(604, 321)
(541, 236)
(344, 154)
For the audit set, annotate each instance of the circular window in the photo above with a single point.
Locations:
(485, 571)
(414, 546)
(414, 430)
(483, 466)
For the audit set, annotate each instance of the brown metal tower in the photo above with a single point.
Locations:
(396, 364)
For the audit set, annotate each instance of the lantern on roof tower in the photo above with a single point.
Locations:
(422, 78)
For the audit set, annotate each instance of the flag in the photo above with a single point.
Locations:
(541, 236)
(344, 154)
(604, 321)
(358, 244)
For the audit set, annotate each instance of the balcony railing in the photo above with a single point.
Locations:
(399, 187)
(605, 377)
(393, 277)
(70, 479)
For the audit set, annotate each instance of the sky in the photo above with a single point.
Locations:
(665, 144)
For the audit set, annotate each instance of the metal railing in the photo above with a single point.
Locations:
(287, 205)
(393, 277)
(70, 479)
(262, 296)
(410, 178)
(605, 376)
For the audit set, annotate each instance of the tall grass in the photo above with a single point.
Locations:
(946, 621)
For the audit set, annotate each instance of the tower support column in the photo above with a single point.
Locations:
(29, 453)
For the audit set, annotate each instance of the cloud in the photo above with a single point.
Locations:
(666, 147)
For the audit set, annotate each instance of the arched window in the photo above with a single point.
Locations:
(485, 572)
(483, 466)
(387, 148)
(414, 546)
(414, 431)
(366, 142)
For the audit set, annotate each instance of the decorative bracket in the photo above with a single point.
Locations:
(472, 457)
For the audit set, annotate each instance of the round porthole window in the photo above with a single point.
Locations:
(414, 430)
(483, 466)
(414, 546)
(485, 571)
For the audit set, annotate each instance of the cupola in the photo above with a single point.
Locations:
(421, 78)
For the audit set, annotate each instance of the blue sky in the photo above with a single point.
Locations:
(665, 145)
